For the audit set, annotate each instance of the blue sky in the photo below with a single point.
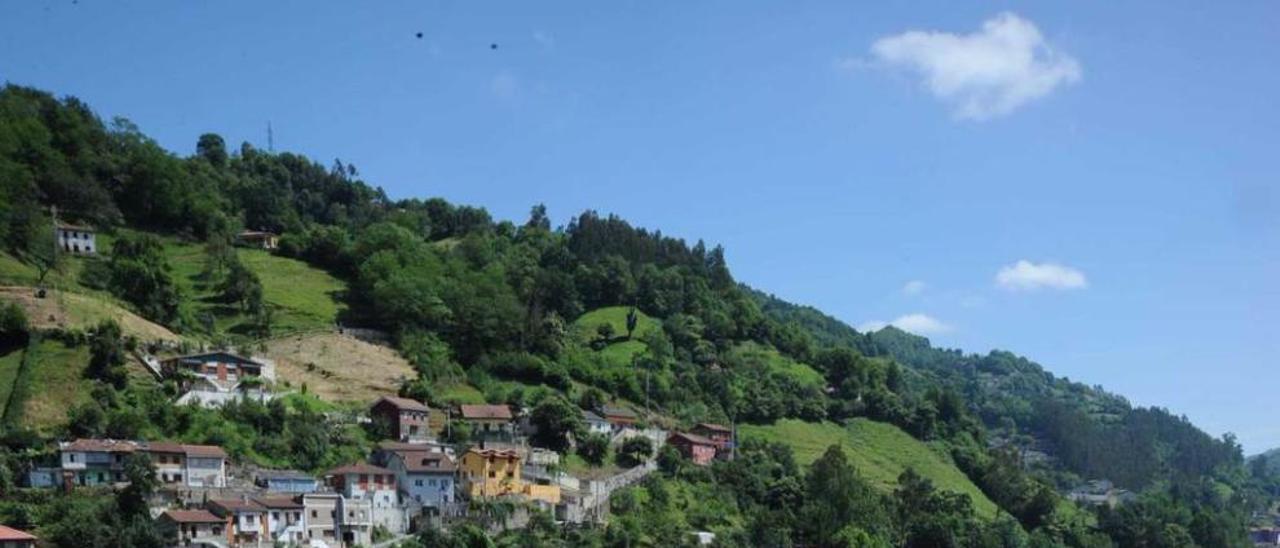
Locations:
(1125, 154)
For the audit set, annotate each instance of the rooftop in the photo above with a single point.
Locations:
(279, 503)
(9, 533)
(193, 516)
(237, 505)
(613, 412)
(357, 468)
(102, 445)
(426, 462)
(404, 404)
(713, 427)
(486, 412)
(693, 438)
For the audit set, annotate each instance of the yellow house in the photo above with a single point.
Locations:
(496, 472)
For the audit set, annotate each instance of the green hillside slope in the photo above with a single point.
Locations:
(301, 296)
(880, 452)
(620, 351)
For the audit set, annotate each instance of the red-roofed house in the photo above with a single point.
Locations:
(94, 461)
(720, 434)
(184, 526)
(696, 448)
(247, 519)
(15, 538)
(489, 421)
(407, 418)
(186, 464)
(424, 477)
(364, 481)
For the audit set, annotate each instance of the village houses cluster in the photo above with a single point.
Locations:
(411, 480)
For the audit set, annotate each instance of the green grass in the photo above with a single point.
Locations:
(460, 393)
(879, 451)
(800, 372)
(300, 296)
(57, 384)
(584, 328)
(621, 351)
(9, 363)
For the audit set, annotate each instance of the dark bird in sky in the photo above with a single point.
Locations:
(493, 46)
(419, 35)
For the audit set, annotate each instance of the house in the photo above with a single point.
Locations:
(286, 481)
(720, 434)
(364, 481)
(488, 421)
(188, 465)
(94, 461)
(225, 368)
(181, 527)
(408, 419)
(696, 448)
(595, 423)
(387, 448)
(209, 393)
(491, 472)
(321, 517)
(246, 520)
(619, 418)
(15, 538)
(424, 477)
(77, 239)
(496, 473)
(258, 238)
(285, 523)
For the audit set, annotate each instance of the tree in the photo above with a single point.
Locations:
(13, 324)
(631, 321)
(107, 355)
(836, 497)
(141, 475)
(41, 251)
(213, 148)
(557, 421)
(605, 331)
(593, 448)
(634, 451)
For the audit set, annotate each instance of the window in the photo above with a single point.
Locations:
(493, 474)
(314, 514)
(417, 483)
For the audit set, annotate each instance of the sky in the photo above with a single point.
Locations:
(1092, 185)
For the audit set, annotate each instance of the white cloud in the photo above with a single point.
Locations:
(920, 324)
(914, 287)
(984, 74)
(1025, 275)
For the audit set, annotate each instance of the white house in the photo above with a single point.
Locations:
(424, 477)
(596, 424)
(77, 239)
(285, 521)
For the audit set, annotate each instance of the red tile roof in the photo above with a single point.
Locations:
(403, 404)
(428, 462)
(237, 505)
(357, 468)
(693, 438)
(193, 516)
(163, 447)
(278, 503)
(500, 453)
(9, 533)
(204, 451)
(486, 412)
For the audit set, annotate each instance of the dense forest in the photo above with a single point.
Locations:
(468, 297)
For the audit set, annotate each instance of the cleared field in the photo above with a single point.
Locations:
(879, 451)
(300, 296)
(57, 384)
(338, 367)
(67, 310)
(619, 352)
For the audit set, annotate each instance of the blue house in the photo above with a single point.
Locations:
(286, 481)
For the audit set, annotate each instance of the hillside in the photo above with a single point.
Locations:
(301, 296)
(620, 350)
(69, 310)
(879, 451)
(337, 367)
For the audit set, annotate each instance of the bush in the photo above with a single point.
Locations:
(634, 451)
(593, 448)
